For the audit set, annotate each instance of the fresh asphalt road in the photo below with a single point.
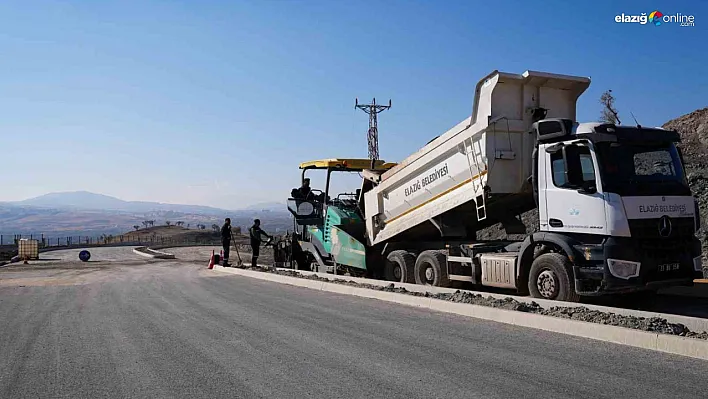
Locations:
(171, 329)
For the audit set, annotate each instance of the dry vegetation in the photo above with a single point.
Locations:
(181, 234)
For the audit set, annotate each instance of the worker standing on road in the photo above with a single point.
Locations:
(226, 240)
(256, 237)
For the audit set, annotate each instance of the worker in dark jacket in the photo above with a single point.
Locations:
(226, 240)
(305, 190)
(256, 237)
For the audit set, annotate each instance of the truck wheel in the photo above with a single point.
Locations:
(550, 278)
(431, 269)
(400, 266)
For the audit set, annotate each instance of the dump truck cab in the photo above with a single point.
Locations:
(617, 197)
(329, 228)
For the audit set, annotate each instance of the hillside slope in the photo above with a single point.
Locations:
(180, 234)
(693, 128)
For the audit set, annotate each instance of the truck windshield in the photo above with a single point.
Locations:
(642, 169)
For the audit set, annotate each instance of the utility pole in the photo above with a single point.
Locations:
(373, 109)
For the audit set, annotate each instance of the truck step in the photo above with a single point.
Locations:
(481, 209)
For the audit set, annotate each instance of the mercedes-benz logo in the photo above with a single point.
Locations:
(664, 226)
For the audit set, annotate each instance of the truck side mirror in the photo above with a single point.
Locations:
(555, 148)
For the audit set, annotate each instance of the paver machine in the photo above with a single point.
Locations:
(329, 230)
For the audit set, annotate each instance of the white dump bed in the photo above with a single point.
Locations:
(491, 148)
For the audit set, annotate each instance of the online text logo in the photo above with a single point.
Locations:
(657, 18)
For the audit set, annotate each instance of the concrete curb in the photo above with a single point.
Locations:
(156, 247)
(694, 323)
(151, 253)
(690, 347)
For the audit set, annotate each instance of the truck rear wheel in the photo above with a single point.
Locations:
(400, 267)
(431, 269)
(550, 277)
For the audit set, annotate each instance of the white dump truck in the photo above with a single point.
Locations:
(615, 212)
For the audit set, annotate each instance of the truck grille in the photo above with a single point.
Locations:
(660, 250)
(647, 230)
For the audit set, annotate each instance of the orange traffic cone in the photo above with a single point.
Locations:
(211, 261)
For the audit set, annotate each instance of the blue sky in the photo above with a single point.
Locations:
(216, 103)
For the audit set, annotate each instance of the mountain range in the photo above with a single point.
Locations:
(85, 213)
(85, 200)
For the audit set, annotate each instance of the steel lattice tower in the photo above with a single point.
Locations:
(373, 109)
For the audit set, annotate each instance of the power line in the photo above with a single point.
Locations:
(373, 109)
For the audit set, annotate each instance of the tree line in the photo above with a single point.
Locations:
(151, 223)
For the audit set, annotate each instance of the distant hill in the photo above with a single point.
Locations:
(267, 206)
(85, 200)
(89, 214)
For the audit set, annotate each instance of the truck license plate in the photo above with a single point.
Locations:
(666, 267)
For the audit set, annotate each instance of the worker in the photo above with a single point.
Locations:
(305, 190)
(256, 237)
(226, 240)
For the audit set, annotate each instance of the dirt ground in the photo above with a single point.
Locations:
(202, 254)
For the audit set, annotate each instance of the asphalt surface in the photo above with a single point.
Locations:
(172, 329)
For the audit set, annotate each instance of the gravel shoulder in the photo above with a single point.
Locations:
(563, 310)
(200, 255)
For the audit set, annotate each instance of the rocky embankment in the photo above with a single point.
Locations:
(693, 128)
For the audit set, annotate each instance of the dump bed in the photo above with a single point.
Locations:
(491, 148)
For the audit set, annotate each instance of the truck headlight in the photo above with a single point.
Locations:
(698, 263)
(623, 269)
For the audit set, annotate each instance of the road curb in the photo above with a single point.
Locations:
(689, 347)
(693, 323)
(151, 253)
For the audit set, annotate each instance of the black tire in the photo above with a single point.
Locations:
(431, 269)
(400, 266)
(551, 277)
(307, 262)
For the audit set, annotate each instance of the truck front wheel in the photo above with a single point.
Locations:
(431, 269)
(400, 267)
(550, 277)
